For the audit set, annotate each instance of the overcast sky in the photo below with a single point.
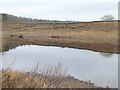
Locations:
(78, 10)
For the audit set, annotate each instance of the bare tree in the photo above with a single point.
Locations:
(108, 18)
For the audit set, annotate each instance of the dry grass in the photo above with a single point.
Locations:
(51, 77)
(47, 78)
(96, 36)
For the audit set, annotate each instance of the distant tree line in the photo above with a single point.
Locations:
(5, 18)
(16, 19)
(12, 18)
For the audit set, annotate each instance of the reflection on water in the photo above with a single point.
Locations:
(82, 64)
(108, 55)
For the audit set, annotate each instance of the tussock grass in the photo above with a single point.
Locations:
(47, 78)
(96, 36)
(51, 77)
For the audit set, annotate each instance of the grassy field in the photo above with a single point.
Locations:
(0, 36)
(96, 36)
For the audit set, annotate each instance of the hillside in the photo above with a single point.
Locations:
(15, 19)
(12, 18)
(99, 36)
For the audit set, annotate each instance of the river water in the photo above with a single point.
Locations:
(100, 68)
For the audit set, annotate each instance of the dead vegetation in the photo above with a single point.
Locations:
(96, 36)
(50, 77)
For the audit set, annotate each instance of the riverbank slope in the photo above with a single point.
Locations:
(97, 36)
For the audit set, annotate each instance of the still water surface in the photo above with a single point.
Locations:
(100, 68)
